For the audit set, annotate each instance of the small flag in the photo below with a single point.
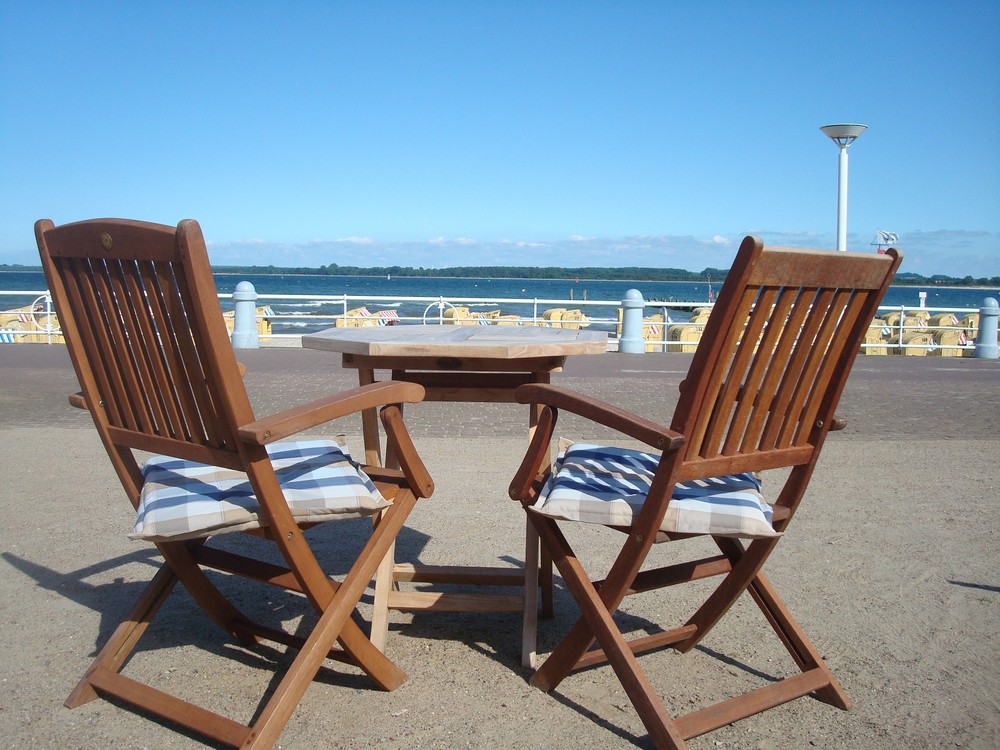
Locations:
(885, 238)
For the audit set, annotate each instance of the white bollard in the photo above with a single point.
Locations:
(632, 341)
(245, 334)
(986, 339)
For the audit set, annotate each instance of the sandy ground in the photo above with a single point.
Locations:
(891, 566)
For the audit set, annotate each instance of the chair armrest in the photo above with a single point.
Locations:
(417, 477)
(640, 428)
(528, 479)
(291, 421)
(78, 400)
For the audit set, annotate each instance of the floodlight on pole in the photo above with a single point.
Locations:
(843, 135)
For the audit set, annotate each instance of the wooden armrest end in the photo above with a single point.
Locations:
(653, 434)
(295, 420)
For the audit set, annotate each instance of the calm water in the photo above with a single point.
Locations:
(523, 290)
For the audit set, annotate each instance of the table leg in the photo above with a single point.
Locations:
(546, 581)
(369, 423)
(384, 574)
(537, 568)
(380, 606)
(529, 625)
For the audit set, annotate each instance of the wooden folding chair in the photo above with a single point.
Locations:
(144, 328)
(760, 394)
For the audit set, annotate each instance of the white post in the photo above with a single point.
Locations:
(842, 200)
(843, 136)
(245, 334)
(632, 341)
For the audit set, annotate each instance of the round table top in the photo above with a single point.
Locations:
(493, 342)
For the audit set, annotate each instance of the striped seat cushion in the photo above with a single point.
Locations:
(186, 500)
(607, 486)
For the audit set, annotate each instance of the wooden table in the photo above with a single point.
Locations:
(456, 363)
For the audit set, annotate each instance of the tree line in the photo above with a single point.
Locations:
(624, 273)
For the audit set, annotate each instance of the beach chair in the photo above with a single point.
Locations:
(760, 394)
(145, 332)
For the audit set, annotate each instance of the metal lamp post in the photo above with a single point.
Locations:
(843, 135)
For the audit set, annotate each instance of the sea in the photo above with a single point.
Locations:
(511, 296)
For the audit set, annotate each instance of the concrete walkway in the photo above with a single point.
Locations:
(892, 567)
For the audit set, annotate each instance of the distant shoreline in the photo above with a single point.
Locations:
(717, 282)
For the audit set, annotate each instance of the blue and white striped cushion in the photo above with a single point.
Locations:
(596, 484)
(186, 500)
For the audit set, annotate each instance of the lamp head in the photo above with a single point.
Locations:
(843, 135)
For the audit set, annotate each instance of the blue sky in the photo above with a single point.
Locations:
(506, 133)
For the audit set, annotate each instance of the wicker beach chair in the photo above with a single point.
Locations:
(145, 332)
(760, 394)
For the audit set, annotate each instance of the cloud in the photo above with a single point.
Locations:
(522, 243)
(720, 240)
(452, 241)
(355, 240)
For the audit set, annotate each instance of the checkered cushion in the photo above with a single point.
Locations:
(595, 484)
(186, 500)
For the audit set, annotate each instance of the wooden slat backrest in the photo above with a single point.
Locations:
(775, 355)
(144, 328)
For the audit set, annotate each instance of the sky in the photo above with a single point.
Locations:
(434, 134)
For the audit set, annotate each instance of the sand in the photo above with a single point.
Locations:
(891, 566)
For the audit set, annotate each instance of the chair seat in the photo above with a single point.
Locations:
(186, 500)
(607, 486)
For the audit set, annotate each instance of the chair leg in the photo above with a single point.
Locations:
(597, 623)
(335, 624)
(180, 559)
(612, 590)
(268, 727)
(575, 643)
(796, 641)
(746, 576)
(745, 564)
(121, 643)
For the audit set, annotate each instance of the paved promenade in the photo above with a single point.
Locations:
(887, 397)
(892, 566)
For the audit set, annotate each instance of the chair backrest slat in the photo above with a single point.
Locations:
(776, 353)
(181, 395)
(821, 346)
(196, 370)
(146, 335)
(164, 403)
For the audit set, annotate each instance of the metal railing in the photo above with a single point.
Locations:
(898, 329)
